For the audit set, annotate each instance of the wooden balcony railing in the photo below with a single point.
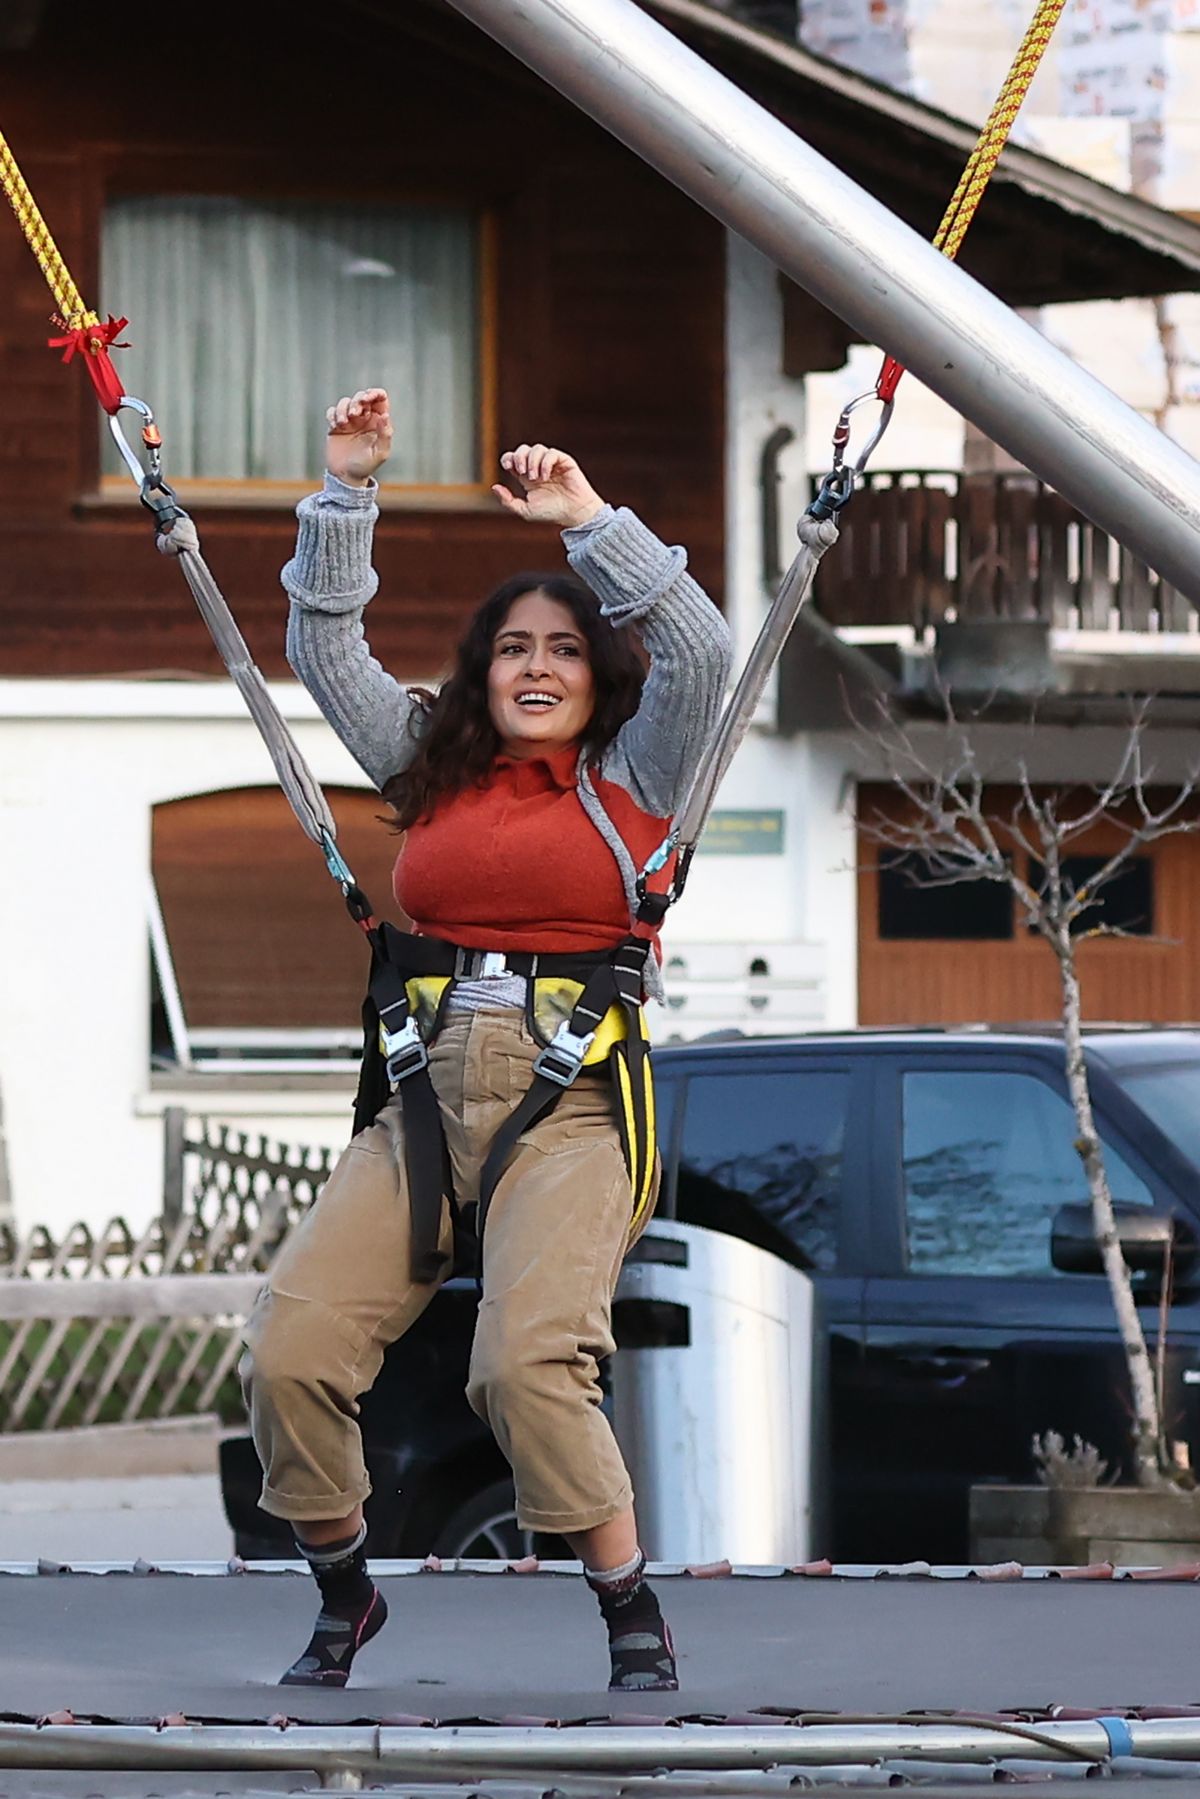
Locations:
(921, 546)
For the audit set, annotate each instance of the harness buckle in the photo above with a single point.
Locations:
(480, 965)
(404, 1051)
(562, 1058)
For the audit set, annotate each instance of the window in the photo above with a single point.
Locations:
(969, 911)
(988, 1159)
(1126, 903)
(761, 1158)
(666, 1099)
(1169, 1094)
(247, 320)
(255, 959)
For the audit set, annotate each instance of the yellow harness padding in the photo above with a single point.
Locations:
(635, 1117)
(425, 996)
(552, 1001)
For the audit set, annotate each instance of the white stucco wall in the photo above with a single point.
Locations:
(81, 766)
(803, 898)
(759, 397)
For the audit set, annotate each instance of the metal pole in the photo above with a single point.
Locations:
(721, 147)
(469, 1751)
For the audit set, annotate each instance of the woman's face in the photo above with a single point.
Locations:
(540, 687)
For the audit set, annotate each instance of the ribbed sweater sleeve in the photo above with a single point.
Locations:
(329, 581)
(637, 578)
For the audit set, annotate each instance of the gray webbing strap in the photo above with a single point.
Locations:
(299, 784)
(816, 536)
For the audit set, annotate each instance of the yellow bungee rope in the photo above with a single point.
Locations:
(84, 332)
(981, 164)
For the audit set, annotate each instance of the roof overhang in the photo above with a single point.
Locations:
(1045, 233)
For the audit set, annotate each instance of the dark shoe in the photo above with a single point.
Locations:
(643, 1655)
(334, 1644)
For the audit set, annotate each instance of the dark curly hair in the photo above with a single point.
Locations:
(458, 741)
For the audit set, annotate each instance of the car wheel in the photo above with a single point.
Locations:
(485, 1528)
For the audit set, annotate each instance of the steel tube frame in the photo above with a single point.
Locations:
(750, 171)
(497, 1750)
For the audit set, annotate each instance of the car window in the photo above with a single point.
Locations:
(989, 1158)
(761, 1158)
(666, 1098)
(1169, 1093)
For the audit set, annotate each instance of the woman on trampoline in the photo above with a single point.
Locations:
(530, 789)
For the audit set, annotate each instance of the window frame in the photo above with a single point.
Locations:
(214, 1050)
(889, 866)
(854, 1211)
(260, 493)
(1035, 874)
(892, 1215)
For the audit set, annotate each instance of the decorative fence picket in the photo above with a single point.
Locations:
(99, 1354)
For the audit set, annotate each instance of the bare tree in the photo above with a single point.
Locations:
(955, 829)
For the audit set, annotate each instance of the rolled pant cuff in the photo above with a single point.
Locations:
(567, 1523)
(296, 1509)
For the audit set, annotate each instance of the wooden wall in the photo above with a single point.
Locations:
(284, 953)
(611, 306)
(1154, 979)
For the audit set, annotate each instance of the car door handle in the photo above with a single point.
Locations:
(950, 1368)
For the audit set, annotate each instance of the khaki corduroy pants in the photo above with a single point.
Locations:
(341, 1291)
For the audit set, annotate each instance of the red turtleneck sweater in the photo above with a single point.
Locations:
(518, 865)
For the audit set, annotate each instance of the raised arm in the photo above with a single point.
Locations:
(330, 580)
(637, 580)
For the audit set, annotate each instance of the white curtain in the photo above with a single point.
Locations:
(248, 320)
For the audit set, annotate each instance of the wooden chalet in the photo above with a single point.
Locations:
(291, 204)
(596, 315)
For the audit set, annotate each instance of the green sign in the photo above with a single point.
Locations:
(742, 834)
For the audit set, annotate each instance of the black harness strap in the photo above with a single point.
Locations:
(396, 1061)
(403, 1062)
(618, 980)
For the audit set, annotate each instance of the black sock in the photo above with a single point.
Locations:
(639, 1642)
(352, 1612)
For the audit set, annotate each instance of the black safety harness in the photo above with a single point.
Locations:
(396, 1064)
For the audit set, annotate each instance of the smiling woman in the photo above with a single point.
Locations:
(540, 686)
(530, 788)
(505, 694)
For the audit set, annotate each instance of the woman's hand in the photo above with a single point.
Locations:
(360, 436)
(557, 492)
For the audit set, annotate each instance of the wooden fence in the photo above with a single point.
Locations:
(112, 1326)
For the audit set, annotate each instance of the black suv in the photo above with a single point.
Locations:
(920, 1178)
